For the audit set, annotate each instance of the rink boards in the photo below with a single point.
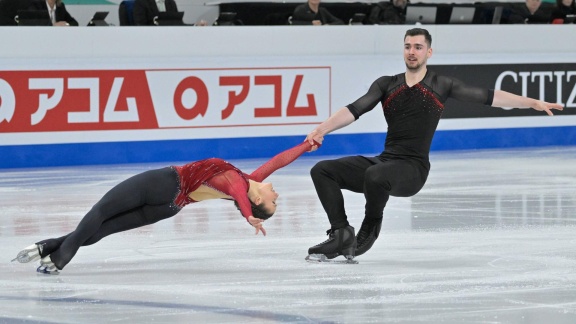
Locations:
(113, 99)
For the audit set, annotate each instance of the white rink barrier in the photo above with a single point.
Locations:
(133, 94)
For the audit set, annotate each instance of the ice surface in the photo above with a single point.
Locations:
(490, 239)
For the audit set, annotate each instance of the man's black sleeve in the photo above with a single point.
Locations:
(462, 92)
(368, 101)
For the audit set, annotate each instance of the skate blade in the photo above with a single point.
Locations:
(321, 258)
(47, 270)
(28, 254)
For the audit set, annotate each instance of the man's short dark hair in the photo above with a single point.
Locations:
(420, 31)
(258, 211)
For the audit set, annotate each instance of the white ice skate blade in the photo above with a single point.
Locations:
(43, 270)
(30, 253)
(47, 266)
(321, 258)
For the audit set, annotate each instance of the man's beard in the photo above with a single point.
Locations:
(415, 68)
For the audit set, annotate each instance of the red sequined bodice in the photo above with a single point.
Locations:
(226, 178)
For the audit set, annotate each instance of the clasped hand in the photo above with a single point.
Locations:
(314, 137)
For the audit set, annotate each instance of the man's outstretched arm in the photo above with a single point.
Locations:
(341, 118)
(507, 99)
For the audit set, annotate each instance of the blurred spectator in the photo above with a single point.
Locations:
(530, 12)
(564, 8)
(9, 9)
(311, 13)
(57, 11)
(391, 12)
(145, 10)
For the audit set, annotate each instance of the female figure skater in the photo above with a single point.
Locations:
(154, 195)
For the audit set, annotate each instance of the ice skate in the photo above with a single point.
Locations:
(367, 235)
(30, 253)
(47, 266)
(340, 242)
(321, 258)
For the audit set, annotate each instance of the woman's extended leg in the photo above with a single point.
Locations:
(139, 217)
(122, 208)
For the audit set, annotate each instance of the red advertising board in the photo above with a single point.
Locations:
(55, 101)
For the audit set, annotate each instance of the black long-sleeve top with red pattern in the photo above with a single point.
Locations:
(413, 113)
(226, 178)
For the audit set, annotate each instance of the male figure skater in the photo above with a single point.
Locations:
(412, 104)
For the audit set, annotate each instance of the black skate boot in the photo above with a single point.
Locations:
(340, 242)
(367, 235)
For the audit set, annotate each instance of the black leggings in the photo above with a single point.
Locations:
(143, 199)
(377, 177)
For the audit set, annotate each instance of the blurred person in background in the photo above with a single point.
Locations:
(530, 12)
(564, 8)
(391, 12)
(9, 9)
(57, 11)
(310, 13)
(146, 10)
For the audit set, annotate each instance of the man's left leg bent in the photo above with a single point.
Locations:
(329, 178)
(397, 178)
